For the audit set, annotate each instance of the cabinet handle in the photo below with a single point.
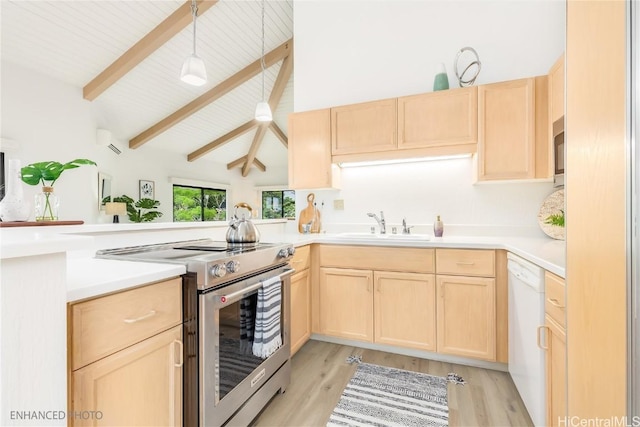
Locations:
(540, 328)
(180, 352)
(137, 319)
(465, 262)
(555, 302)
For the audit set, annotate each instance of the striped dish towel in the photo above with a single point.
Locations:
(267, 338)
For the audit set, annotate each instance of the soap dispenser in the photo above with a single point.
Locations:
(438, 227)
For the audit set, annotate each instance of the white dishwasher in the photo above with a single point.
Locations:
(526, 313)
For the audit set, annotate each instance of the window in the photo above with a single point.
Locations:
(199, 204)
(278, 204)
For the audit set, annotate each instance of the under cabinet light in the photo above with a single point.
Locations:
(399, 161)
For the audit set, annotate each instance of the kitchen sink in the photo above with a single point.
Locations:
(385, 236)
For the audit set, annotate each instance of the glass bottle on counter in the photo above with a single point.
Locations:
(438, 227)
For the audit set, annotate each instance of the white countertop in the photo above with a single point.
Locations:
(18, 243)
(90, 277)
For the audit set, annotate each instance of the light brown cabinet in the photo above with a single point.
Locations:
(346, 303)
(300, 299)
(377, 294)
(138, 386)
(556, 348)
(556, 90)
(466, 302)
(438, 119)
(466, 316)
(364, 128)
(513, 130)
(126, 357)
(404, 309)
(310, 151)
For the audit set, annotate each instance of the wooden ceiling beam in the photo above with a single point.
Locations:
(273, 127)
(251, 70)
(157, 37)
(274, 99)
(240, 130)
(241, 160)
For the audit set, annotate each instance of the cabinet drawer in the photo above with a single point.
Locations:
(105, 325)
(466, 262)
(300, 260)
(412, 260)
(554, 298)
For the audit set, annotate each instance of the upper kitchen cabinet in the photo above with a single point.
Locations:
(368, 127)
(310, 151)
(442, 118)
(513, 135)
(556, 89)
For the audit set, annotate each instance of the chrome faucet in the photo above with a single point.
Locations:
(381, 221)
(405, 229)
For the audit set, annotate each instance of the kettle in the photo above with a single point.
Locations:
(242, 231)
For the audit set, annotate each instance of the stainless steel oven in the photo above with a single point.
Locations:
(224, 382)
(230, 373)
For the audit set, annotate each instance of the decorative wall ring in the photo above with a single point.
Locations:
(465, 79)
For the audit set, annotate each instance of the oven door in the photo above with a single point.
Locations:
(229, 372)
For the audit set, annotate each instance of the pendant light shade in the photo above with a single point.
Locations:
(263, 110)
(193, 69)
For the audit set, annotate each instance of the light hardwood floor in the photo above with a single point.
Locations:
(320, 374)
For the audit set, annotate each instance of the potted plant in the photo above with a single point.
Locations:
(144, 210)
(46, 174)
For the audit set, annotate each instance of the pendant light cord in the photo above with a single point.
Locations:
(262, 58)
(194, 13)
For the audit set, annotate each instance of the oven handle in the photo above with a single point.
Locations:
(242, 292)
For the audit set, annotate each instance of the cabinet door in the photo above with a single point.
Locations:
(556, 89)
(434, 119)
(310, 151)
(346, 303)
(556, 372)
(506, 130)
(300, 310)
(138, 386)
(364, 128)
(466, 316)
(405, 309)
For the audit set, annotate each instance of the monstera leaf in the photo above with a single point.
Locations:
(47, 173)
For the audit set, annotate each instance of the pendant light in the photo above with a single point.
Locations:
(263, 111)
(193, 69)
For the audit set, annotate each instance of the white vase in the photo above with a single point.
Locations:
(13, 207)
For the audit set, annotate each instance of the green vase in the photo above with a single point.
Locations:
(441, 81)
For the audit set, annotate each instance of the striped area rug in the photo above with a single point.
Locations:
(380, 396)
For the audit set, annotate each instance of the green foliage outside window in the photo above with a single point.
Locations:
(278, 204)
(198, 204)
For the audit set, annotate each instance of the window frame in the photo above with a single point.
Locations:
(202, 186)
(279, 190)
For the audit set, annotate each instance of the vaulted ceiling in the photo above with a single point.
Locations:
(75, 41)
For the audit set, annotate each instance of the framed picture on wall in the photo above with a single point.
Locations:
(147, 189)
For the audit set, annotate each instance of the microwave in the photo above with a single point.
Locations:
(558, 152)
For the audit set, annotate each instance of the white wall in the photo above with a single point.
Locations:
(49, 120)
(354, 51)
(420, 191)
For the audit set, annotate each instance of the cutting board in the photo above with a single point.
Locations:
(310, 214)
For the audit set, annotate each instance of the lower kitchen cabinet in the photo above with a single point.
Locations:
(346, 303)
(300, 309)
(138, 386)
(126, 357)
(466, 324)
(556, 372)
(555, 322)
(404, 309)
